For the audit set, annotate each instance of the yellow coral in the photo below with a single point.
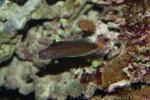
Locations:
(113, 69)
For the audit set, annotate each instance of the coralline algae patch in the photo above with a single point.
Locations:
(75, 49)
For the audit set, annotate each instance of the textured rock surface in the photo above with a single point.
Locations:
(32, 25)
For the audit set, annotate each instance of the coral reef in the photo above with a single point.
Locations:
(75, 49)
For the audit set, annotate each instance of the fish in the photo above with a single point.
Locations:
(68, 49)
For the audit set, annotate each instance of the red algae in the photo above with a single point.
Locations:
(91, 77)
(139, 34)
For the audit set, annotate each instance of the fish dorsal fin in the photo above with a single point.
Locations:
(60, 43)
(69, 43)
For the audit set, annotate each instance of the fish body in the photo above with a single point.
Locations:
(68, 49)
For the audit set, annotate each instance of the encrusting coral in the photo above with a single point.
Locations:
(113, 69)
(87, 25)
